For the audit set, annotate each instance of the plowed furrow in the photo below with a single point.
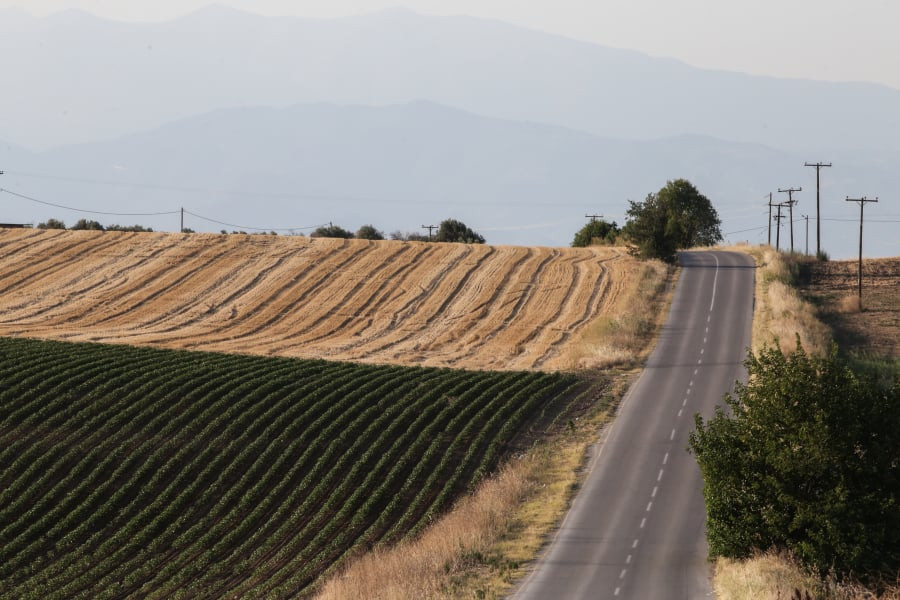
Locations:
(93, 279)
(291, 297)
(348, 314)
(60, 259)
(468, 306)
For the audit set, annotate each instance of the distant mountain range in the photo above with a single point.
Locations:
(396, 118)
(402, 166)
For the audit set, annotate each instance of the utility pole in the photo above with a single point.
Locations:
(182, 221)
(429, 228)
(862, 203)
(806, 217)
(818, 167)
(791, 202)
(778, 219)
(770, 218)
(593, 217)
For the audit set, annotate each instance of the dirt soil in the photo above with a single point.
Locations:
(833, 287)
(469, 306)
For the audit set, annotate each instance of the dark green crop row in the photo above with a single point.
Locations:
(153, 473)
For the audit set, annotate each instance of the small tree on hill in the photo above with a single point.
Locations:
(596, 232)
(332, 231)
(369, 232)
(52, 224)
(452, 230)
(677, 217)
(808, 460)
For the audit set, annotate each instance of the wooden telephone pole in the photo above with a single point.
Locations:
(778, 219)
(430, 228)
(818, 167)
(790, 203)
(862, 203)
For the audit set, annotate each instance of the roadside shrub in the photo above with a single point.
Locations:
(805, 459)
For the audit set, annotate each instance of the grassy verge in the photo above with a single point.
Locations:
(781, 313)
(620, 337)
(771, 576)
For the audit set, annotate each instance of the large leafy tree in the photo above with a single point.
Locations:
(452, 230)
(676, 217)
(332, 231)
(596, 232)
(807, 458)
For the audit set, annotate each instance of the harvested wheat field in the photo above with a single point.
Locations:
(457, 305)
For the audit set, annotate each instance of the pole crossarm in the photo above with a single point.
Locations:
(430, 228)
(593, 217)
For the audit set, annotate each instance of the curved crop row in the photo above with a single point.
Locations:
(132, 472)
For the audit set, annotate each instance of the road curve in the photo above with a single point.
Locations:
(636, 527)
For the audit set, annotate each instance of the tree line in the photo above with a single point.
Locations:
(450, 230)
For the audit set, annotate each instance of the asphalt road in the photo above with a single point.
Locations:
(636, 527)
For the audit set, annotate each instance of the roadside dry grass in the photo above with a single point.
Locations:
(485, 543)
(780, 313)
(773, 576)
(621, 335)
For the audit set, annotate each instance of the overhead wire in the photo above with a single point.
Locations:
(92, 212)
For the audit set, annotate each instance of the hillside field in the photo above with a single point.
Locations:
(137, 472)
(833, 287)
(409, 303)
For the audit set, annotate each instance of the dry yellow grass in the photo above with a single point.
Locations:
(772, 576)
(454, 305)
(780, 314)
(621, 334)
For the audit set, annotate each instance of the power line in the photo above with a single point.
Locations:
(193, 214)
(870, 220)
(744, 230)
(84, 210)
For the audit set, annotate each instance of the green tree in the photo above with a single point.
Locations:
(52, 224)
(596, 232)
(676, 217)
(452, 230)
(332, 231)
(369, 232)
(808, 460)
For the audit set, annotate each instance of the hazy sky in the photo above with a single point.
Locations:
(834, 40)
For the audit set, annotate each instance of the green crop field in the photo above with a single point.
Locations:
(157, 473)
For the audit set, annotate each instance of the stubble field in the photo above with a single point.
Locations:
(407, 303)
(875, 329)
